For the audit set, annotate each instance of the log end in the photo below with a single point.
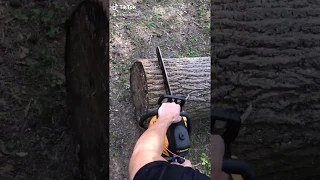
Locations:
(87, 76)
(139, 89)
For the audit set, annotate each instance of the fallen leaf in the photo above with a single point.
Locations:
(28, 36)
(3, 148)
(24, 52)
(9, 19)
(22, 154)
(247, 113)
(5, 169)
(20, 37)
(59, 75)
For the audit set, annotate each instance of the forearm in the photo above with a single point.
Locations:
(153, 138)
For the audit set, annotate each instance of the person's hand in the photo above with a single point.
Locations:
(186, 163)
(170, 111)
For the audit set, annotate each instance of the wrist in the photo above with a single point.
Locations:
(167, 118)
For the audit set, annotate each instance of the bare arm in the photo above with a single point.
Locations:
(217, 153)
(149, 146)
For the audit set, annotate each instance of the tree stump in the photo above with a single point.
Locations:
(188, 77)
(87, 86)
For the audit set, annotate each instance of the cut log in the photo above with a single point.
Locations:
(87, 87)
(188, 77)
(276, 68)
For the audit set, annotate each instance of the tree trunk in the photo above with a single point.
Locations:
(87, 87)
(188, 77)
(258, 59)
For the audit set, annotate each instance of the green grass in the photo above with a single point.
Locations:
(116, 154)
(21, 16)
(178, 22)
(157, 16)
(150, 24)
(208, 27)
(48, 18)
(190, 52)
(200, 13)
(205, 163)
(122, 84)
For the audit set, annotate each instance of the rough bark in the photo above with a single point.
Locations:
(188, 77)
(87, 86)
(267, 53)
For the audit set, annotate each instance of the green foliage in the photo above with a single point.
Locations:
(157, 16)
(205, 163)
(35, 13)
(19, 15)
(116, 154)
(48, 18)
(54, 81)
(44, 57)
(208, 27)
(150, 24)
(52, 32)
(200, 12)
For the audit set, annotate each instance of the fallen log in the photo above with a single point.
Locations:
(279, 76)
(188, 77)
(87, 87)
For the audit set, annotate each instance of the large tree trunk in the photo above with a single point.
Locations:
(188, 77)
(87, 86)
(267, 54)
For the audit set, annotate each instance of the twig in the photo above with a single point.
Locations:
(3, 148)
(247, 113)
(26, 112)
(197, 24)
(197, 165)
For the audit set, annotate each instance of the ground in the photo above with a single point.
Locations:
(181, 29)
(34, 136)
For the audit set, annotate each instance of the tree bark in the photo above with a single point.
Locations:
(257, 59)
(188, 77)
(87, 87)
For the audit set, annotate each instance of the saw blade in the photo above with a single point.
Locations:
(164, 72)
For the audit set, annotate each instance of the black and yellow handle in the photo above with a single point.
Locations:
(166, 142)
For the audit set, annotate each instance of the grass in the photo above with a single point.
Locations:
(122, 84)
(46, 18)
(208, 27)
(123, 68)
(205, 163)
(20, 16)
(200, 13)
(150, 24)
(116, 154)
(190, 52)
(157, 16)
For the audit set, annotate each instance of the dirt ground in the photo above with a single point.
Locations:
(181, 29)
(34, 132)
